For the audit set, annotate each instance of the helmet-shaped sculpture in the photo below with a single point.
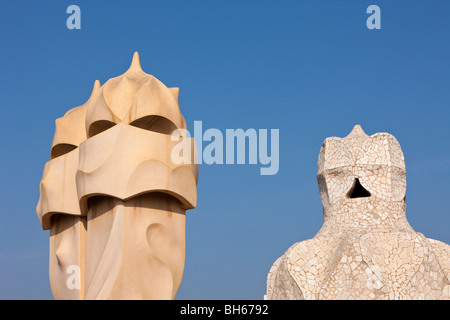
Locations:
(366, 248)
(112, 197)
(362, 182)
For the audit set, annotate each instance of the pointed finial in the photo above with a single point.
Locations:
(135, 64)
(96, 86)
(357, 131)
(95, 89)
(175, 92)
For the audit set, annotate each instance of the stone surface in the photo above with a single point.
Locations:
(366, 248)
(111, 196)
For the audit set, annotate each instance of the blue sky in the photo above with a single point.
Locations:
(311, 69)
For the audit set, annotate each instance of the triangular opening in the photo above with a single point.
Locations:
(358, 191)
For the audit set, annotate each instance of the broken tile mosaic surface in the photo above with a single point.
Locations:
(366, 248)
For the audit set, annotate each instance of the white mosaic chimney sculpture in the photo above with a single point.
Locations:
(111, 196)
(366, 248)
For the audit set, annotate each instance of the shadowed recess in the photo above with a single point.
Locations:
(155, 123)
(99, 126)
(61, 149)
(358, 191)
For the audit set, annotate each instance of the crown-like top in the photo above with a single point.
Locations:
(135, 98)
(357, 148)
(377, 162)
(118, 144)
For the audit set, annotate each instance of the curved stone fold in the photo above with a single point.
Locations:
(113, 197)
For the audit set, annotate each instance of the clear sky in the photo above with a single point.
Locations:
(311, 69)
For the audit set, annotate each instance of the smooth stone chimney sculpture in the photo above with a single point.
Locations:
(366, 248)
(111, 196)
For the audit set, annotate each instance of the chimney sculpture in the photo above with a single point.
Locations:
(111, 196)
(366, 248)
